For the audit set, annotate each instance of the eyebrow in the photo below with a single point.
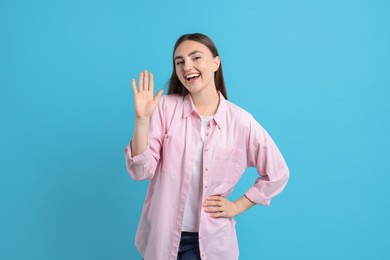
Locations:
(191, 53)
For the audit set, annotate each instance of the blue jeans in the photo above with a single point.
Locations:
(189, 246)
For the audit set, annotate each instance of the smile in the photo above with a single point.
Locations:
(192, 77)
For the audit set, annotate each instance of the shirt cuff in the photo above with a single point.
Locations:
(255, 196)
(139, 159)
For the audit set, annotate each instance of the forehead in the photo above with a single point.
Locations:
(188, 46)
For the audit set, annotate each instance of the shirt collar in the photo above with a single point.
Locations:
(219, 117)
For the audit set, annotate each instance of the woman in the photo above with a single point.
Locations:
(193, 145)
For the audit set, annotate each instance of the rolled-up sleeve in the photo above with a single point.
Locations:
(263, 154)
(139, 167)
(143, 166)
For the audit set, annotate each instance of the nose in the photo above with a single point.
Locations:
(187, 65)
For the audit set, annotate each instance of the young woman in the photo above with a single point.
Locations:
(194, 145)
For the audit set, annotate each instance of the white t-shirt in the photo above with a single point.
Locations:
(191, 211)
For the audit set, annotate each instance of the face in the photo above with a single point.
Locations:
(195, 66)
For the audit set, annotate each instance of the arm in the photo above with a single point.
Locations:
(263, 154)
(140, 161)
(139, 142)
(145, 103)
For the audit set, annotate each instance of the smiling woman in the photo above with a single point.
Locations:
(194, 145)
(195, 66)
(198, 47)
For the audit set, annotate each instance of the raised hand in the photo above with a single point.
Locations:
(144, 100)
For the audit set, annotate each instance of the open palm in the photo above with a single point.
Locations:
(144, 100)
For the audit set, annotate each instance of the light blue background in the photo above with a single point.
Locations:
(315, 74)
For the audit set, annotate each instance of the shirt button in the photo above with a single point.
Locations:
(207, 134)
(207, 169)
(206, 149)
(205, 187)
(167, 137)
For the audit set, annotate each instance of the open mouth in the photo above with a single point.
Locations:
(192, 77)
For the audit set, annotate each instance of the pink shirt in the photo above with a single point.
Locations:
(234, 141)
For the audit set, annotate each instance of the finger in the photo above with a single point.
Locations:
(146, 80)
(134, 86)
(220, 214)
(141, 82)
(215, 197)
(212, 203)
(151, 83)
(212, 209)
(158, 95)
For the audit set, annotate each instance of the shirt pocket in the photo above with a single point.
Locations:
(172, 154)
(228, 165)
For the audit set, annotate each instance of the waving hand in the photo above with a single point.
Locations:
(144, 100)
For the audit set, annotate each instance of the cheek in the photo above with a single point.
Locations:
(179, 75)
(207, 67)
(177, 72)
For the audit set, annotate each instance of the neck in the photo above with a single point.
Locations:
(206, 102)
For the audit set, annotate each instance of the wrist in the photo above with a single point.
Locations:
(142, 121)
(238, 208)
(242, 204)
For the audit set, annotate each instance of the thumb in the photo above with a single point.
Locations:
(158, 95)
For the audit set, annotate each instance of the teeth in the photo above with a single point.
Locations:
(192, 76)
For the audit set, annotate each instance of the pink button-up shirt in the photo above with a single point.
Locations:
(233, 142)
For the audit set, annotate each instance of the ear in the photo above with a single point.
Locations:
(217, 62)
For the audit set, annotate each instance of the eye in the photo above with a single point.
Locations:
(197, 58)
(179, 62)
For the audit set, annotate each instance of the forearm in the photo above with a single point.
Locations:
(139, 142)
(243, 204)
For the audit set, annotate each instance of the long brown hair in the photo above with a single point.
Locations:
(175, 86)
